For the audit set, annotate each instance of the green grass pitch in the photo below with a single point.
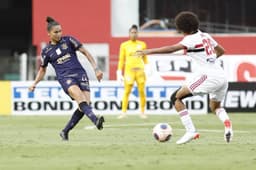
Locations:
(33, 143)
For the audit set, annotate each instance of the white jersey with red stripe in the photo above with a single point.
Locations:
(200, 47)
(209, 77)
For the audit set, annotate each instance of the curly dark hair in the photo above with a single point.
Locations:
(187, 22)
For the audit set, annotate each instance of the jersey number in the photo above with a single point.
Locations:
(208, 47)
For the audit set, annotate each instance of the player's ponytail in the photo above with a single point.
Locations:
(51, 22)
(49, 19)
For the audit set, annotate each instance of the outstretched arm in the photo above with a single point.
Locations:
(161, 50)
(86, 53)
(39, 77)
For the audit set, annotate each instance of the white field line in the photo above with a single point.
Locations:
(152, 124)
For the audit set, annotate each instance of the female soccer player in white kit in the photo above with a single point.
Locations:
(209, 77)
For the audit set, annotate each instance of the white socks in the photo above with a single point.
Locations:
(222, 114)
(188, 124)
(187, 121)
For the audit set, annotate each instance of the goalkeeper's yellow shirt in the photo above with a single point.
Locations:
(127, 58)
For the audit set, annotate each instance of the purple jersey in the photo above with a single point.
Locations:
(63, 57)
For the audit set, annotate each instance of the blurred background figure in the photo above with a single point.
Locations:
(134, 70)
(156, 24)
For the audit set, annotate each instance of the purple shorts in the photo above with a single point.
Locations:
(81, 80)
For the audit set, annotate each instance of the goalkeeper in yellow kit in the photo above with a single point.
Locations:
(134, 70)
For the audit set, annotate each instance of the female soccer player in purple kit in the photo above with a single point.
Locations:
(61, 53)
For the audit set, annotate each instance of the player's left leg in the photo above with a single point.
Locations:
(215, 104)
(87, 109)
(141, 89)
(223, 116)
(83, 100)
(140, 80)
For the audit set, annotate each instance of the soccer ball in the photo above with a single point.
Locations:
(162, 132)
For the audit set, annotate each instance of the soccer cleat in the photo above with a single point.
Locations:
(121, 116)
(99, 122)
(64, 135)
(228, 136)
(228, 133)
(188, 137)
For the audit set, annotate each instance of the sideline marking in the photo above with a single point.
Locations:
(152, 124)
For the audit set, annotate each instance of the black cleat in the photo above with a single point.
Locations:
(228, 137)
(64, 136)
(99, 122)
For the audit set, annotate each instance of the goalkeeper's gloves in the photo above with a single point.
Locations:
(119, 76)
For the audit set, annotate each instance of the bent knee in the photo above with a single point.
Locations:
(173, 97)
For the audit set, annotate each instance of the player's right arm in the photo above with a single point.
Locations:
(40, 75)
(161, 50)
(121, 57)
(41, 72)
(121, 62)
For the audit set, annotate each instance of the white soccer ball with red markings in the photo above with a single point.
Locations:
(162, 132)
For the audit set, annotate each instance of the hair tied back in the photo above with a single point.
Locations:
(49, 19)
